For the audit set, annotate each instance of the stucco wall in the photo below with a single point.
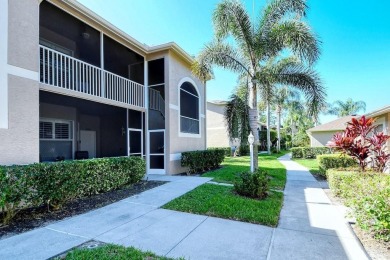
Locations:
(319, 139)
(217, 135)
(19, 143)
(178, 143)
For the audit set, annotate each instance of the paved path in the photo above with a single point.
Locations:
(310, 227)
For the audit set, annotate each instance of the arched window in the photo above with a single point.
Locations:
(189, 109)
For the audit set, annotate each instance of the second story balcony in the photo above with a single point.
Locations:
(63, 71)
(79, 60)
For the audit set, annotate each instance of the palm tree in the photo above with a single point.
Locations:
(283, 96)
(255, 44)
(347, 108)
(236, 115)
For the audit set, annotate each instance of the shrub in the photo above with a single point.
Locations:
(263, 136)
(296, 152)
(56, 183)
(243, 150)
(14, 185)
(331, 161)
(368, 195)
(200, 161)
(362, 142)
(309, 152)
(313, 152)
(228, 150)
(253, 185)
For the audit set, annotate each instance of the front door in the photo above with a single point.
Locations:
(88, 142)
(156, 152)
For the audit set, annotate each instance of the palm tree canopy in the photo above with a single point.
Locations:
(347, 108)
(256, 44)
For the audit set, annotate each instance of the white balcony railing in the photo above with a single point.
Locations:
(63, 71)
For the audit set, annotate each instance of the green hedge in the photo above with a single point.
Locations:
(296, 152)
(244, 150)
(56, 183)
(309, 152)
(332, 161)
(368, 195)
(200, 161)
(228, 150)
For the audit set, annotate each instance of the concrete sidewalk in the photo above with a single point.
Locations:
(310, 227)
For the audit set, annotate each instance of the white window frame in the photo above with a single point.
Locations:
(72, 128)
(181, 134)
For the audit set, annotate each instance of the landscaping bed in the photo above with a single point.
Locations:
(221, 201)
(234, 165)
(31, 218)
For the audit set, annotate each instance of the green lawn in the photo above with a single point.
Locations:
(221, 201)
(311, 164)
(112, 252)
(234, 165)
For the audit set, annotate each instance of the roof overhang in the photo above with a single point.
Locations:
(378, 112)
(143, 49)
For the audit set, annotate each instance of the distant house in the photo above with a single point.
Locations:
(321, 134)
(217, 134)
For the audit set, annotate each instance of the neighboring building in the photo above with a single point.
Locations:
(320, 135)
(71, 83)
(217, 134)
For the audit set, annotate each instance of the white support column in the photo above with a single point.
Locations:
(103, 92)
(146, 88)
(127, 132)
(3, 64)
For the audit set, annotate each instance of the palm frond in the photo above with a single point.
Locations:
(230, 17)
(305, 80)
(224, 55)
(277, 10)
(297, 36)
(202, 70)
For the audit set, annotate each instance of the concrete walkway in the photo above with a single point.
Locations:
(310, 227)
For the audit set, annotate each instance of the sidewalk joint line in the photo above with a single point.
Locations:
(186, 236)
(270, 244)
(66, 233)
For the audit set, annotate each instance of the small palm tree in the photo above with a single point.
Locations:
(283, 96)
(280, 26)
(347, 108)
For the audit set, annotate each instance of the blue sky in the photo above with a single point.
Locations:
(355, 35)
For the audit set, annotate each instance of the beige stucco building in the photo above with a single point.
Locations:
(320, 135)
(217, 134)
(72, 86)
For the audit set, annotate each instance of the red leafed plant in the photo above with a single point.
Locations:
(360, 141)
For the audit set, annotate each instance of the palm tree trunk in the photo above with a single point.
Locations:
(268, 128)
(253, 123)
(279, 119)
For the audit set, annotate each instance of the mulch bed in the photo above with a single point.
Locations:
(31, 218)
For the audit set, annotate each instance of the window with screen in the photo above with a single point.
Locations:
(189, 109)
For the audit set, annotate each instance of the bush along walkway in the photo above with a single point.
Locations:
(310, 227)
